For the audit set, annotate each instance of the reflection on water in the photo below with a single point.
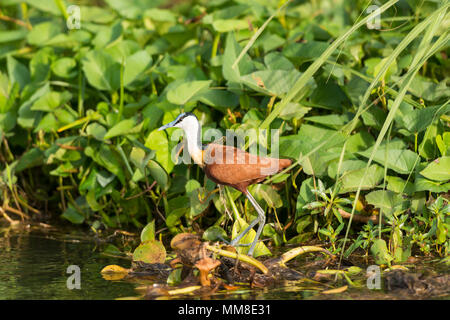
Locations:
(33, 265)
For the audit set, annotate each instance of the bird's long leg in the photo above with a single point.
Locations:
(261, 219)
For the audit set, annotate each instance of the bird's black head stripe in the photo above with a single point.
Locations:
(186, 114)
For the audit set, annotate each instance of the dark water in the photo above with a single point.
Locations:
(34, 263)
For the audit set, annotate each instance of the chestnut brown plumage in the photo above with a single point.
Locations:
(230, 166)
(239, 169)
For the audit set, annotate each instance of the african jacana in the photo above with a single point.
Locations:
(230, 166)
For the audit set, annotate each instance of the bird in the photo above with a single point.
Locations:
(229, 166)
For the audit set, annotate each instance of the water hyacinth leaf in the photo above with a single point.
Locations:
(346, 166)
(214, 233)
(31, 158)
(106, 35)
(305, 196)
(293, 110)
(150, 251)
(135, 65)
(352, 179)
(443, 143)
(96, 130)
(260, 249)
(187, 91)
(266, 192)
(380, 252)
(157, 141)
(64, 67)
(399, 185)
(12, 35)
(132, 9)
(438, 170)
(158, 173)
(42, 33)
(121, 128)
(401, 161)
(174, 216)
(51, 100)
(73, 215)
(232, 51)
(148, 233)
(384, 199)
(101, 70)
(219, 99)
(223, 26)
(17, 72)
(271, 82)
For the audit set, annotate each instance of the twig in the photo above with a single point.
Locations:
(291, 254)
(16, 21)
(18, 212)
(241, 257)
(359, 218)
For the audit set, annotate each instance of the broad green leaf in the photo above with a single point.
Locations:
(187, 91)
(266, 192)
(380, 252)
(121, 128)
(271, 82)
(135, 65)
(157, 141)
(17, 72)
(232, 51)
(51, 100)
(73, 215)
(351, 180)
(223, 26)
(399, 160)
(150, 251)
(148, 233)
(101, 70)
(384, 199)
(214, 233)
(65, 67)
(42, 33)
(438, 170)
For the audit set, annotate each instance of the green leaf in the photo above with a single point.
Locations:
(223, 26)
(187, 91)
(150, 251)
(135, 65)
(73, 215)
(351, 180)
(384, 199)
(17, 72)
(42, 33)
(148, 233)
(65, 68)
(438, 170)
(399, 160)
(271, 82)
(232, 51)
(101, 70)
(158, 173)
(121, 128)
(266, 192)
(214, 233)
(380, 252)
(157, 141)
(51, 100)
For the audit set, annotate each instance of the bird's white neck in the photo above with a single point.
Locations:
(192, 131)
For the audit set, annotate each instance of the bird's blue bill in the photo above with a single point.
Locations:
(169, 125)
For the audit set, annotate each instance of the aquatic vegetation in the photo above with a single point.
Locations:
(363, 113)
